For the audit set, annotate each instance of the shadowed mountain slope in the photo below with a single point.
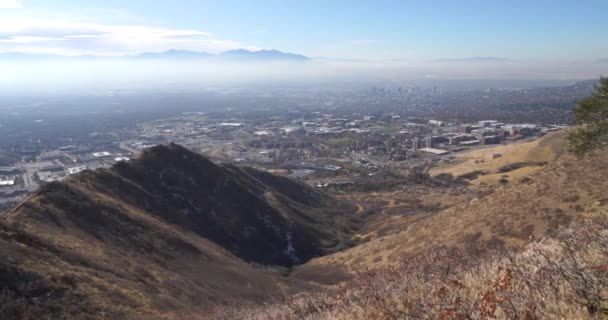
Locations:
(162, 236)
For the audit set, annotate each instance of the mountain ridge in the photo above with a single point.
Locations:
(167, 231)
(172, 54)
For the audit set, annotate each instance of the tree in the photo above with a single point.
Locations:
(591, 119)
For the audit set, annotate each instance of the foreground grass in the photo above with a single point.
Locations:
(561, 278)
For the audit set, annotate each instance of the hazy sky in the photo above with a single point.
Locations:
(379, 29)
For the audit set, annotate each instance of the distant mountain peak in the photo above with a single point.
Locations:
(474, 59)
(271, 54)
(174, 53)
(239, 51)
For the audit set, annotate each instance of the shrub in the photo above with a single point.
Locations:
(561, 278)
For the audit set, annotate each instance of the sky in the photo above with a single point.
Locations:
(370, 30)
(377, 40)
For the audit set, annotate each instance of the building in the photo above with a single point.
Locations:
(75, 170)
(261, 133)
(521, 129)
(469, 143)
(439, 139)
(489, 140)
(484, 132)
(267, 154)
(50, 176)
(7, 181)
(428, 142)
(9, 170)
(416, 144)
(301, 173)
(464, 129)
(337, 122)
(293, 130)
(455, 140)
(434, 151)
(487, 123)
(101, 154)
(230, 125)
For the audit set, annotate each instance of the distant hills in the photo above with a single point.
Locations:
(232, 55)
(173, 54)
(263, 55)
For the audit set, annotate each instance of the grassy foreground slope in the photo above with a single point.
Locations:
(532, 248)
(559, 278)
(508, 215)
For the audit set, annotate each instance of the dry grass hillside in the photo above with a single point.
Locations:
(535, 247)
(559, 278)
(174, 236)
(508, 215)
(488, 165)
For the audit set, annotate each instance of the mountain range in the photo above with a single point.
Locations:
(232, 55)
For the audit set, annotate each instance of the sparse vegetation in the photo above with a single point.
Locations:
(592, 120)
(562, 278)
(127, 243)
(518, 160)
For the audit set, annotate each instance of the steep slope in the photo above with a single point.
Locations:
(228, 205)
(508, 215)
(534, 247)
(172, 235)
(164, 236)
(559, 278)
(488, 165)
